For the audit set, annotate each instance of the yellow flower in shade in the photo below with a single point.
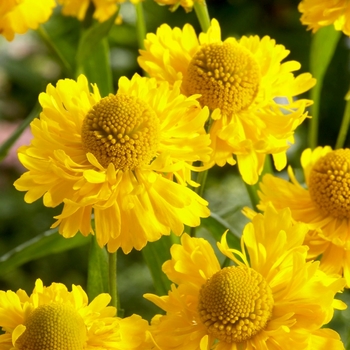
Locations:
(324, 205)
(126, 157)
(321, 13)
(240, 81)
(102, 9)
(17, 16)
(186, 4)
(54, 318)
(271, 298)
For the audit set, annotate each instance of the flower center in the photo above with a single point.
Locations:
(329, 183)
(235, 304)
(122, 130)
(53, 326)
(225, 74)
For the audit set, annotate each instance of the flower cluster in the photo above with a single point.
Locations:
(129, 167)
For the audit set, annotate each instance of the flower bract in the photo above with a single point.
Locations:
(269, 297)
(125, 158)
(251, 93)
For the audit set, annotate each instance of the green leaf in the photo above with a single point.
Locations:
(48, 243)
(97, 68)
(155, 254)
(93, 55)
(61, 34)
(323, 45)
(92, 37)
(216, 225)
(97, 281)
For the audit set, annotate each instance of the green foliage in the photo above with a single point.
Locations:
(46, 244)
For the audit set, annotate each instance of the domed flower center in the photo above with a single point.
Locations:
(225, 74)
(235, 304)
(53, 326)
(122, 130)
(329, 183)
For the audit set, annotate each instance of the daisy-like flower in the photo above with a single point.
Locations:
(126, 157)
(324, 205)
(17, 16)
(270, 299)
(321, 13)
(239, 80)
(174, 4)
(55, 318)
(103, 9)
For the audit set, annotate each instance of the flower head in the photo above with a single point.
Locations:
(54, 318)
(17, 16)
(250, 92)
(323, 205)
(117, 156)
(271, 298)
(320, 13)
(103, 9)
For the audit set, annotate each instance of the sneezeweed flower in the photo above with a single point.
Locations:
(54, 318)
(102, 9)
(18, 16)
(324, 205)
(270, 299)
(126, 157)
(321, 13)
(174, 4)
(239, 80)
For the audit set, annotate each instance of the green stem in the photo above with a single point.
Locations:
(253, 189)
(313, 130)
(202, 13)
(140, 25)
(345, 124)
(5, 147)
(112, 262)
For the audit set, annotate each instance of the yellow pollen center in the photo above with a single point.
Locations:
(122, 130)
(329, 184)
(53, 326)
(225, 74)
(235, 304)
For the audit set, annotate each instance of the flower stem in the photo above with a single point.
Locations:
(140, 25)
(313, 130)
(345, 123)
(112, 262)
(6, 146)
(253, 189)
(202, 13)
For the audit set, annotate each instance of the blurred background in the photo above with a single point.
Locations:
(28, 64)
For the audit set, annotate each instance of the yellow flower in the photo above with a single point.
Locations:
(240, 81)
(270, 299)
(103, 9)
(17, 16)
(323, 205)
(54, 318)
(117, 156)
(186, 4)
(320, 13)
